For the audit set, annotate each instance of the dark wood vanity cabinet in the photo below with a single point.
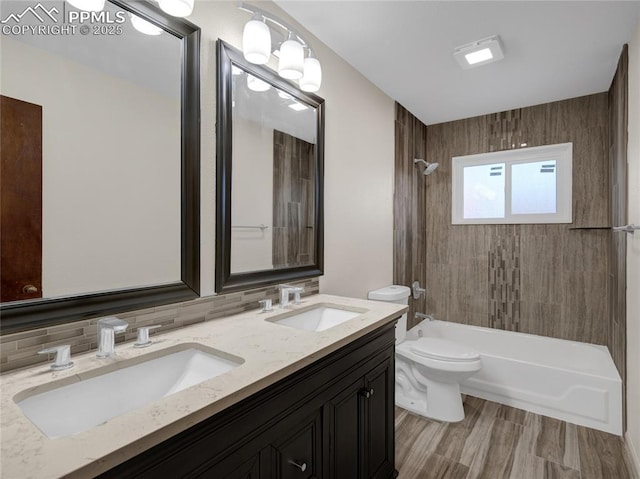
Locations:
(334, 419)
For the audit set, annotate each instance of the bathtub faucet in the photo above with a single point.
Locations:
(424, 316)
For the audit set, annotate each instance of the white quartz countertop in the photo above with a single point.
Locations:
(270, 352)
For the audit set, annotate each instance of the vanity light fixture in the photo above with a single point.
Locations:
(312, 77)
(87, 5)
(256, 41)
(177, 8)
(143, 26)
(292, 63)
(480, 52)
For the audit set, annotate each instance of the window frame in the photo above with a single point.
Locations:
(562, 153)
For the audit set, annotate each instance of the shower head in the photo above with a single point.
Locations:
(428, 167)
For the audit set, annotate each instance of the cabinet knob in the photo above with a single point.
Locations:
(302, 467)
(29, 289)
(367, 393)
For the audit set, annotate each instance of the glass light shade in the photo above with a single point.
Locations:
(87, 5)
(256, 84)
(291, 64)
(312, 78)
(256, 42)
(177, 8)
(144, 26)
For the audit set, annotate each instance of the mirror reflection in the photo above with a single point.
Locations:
(273, 183)
(91, 186)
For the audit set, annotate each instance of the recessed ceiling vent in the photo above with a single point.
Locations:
(480, 52)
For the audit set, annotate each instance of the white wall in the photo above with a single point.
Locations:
(359, 150)
(94, 126)
(251, 196)
(633, 253)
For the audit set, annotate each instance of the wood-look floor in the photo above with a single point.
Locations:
(500, 442)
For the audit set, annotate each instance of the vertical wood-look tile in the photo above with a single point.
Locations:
(499, 460)
(556, 441)
(601, 455)
(410, 186)
(618, 123)
(414, 438)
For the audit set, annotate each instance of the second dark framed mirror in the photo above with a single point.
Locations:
(270, 166)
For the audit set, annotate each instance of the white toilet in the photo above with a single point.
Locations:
(428, 370)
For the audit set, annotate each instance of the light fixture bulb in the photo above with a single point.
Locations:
(256, 42)
(177, 8)
(256, 84)
(291, 64)
(312, 78)
(87, 5)
(143, 26)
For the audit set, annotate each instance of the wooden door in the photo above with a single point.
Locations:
(20, 200)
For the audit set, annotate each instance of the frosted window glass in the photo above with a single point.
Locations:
(533, 188)
(484, 191)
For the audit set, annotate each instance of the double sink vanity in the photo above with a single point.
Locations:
(300, 392)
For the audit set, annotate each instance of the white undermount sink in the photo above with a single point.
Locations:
(86, 403)
(317, 318)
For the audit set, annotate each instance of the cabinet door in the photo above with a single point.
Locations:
(343, 429)
(379, 439)
(359, 427)
(299, 454)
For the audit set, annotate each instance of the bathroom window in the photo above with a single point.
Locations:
(527, 185)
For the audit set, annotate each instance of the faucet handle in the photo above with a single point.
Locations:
(63, 357)
(143, 336)
(267, 305)
(296, 295)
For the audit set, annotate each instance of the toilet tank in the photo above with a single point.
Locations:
(394, 294)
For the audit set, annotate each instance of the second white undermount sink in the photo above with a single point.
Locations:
(317, 318)
(86, 403)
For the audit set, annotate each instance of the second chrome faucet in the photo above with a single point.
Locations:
(285, 290)
(107, 329)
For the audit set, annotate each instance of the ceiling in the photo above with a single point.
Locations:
(553, 49)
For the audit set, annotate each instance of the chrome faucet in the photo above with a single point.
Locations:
(107, 329)
(285, 289)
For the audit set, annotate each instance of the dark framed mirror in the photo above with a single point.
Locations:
(270, 166)
(123, 233)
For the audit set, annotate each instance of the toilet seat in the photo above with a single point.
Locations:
(443, 350)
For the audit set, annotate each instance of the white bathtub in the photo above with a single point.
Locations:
(568, 380)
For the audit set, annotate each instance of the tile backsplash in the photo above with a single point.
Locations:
(20, 349)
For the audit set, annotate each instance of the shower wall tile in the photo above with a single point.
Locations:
(20, 349)
(410, 228)
(618, 132)
(546, 279)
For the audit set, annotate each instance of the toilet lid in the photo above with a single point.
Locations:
(442, 349)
